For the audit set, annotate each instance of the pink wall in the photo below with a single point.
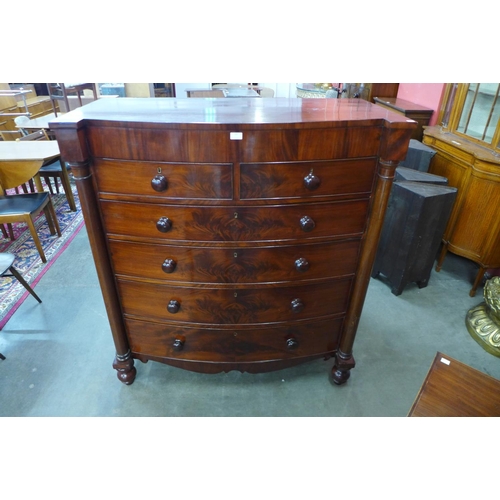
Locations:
(425, 94)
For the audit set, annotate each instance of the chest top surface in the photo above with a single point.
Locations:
(221, 112)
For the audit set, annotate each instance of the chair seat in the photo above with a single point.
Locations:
(6, 260)
(22, 203)
(54, 166)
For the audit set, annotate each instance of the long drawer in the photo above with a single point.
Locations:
(233, 305)
(238, 223)
(206, 344)
(234, 264)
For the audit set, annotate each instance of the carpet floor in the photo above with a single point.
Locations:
(28, 261)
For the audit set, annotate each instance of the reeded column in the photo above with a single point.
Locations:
(123, 363)
(344, 360)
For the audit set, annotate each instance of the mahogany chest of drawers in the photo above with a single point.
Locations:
(233, 234)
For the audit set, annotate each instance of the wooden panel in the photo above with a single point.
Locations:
(362, 141)
(182, 180)
(233, 305)
(162, 145)
(287, 180)
(268, 145)
(204, 344)
(235, 264)
(453, 389)
(321, 144)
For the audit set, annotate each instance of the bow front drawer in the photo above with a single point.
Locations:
(234, 345)
(235, 264)
(233, 305)
(239, 223)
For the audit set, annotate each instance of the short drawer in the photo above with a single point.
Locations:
(239, 223)
(235, 264)
(306, 179)
(204, 344)
(233, 305)
(167, 180)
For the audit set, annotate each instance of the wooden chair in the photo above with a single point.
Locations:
(53, 170)
(61, 91)
(7, 264)
(25, 208)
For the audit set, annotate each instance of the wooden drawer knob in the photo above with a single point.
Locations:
(164, 225)
(297, 305)
(178, 345)
(312, 181)
(173, 306)
(302, 265)
(159, 183)
(292, 344)
(168, 266)
(307, 224)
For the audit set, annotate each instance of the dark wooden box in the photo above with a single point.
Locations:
(418, 157)
(414, 224)
(408, 174)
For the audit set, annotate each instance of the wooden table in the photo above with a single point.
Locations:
(24, 159)
(453, 389)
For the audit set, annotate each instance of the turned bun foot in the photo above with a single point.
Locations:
(341, 370)
(125, 369)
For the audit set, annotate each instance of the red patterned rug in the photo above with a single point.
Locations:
(28, 262)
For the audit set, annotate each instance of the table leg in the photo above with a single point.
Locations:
(38, 183)
(67, 186)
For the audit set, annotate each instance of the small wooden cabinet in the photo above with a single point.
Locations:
(420, 114)
(233, 234)
(473, 230)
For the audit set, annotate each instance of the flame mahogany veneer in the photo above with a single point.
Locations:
(233, 234)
